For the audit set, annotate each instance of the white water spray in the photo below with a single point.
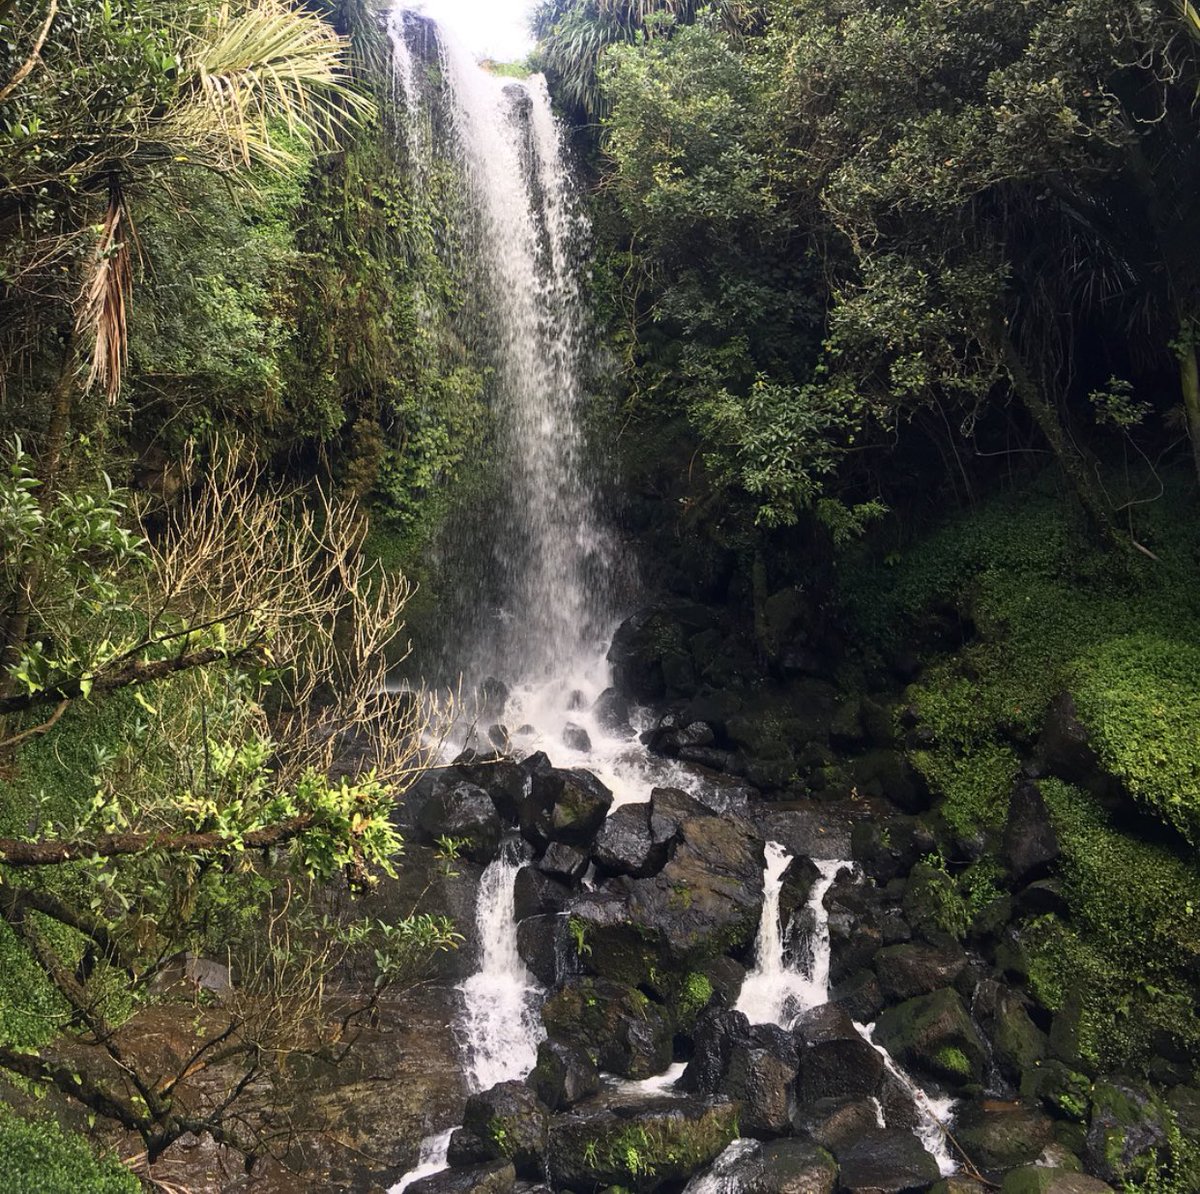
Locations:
(501, 1025)
(775, 992)
(431, 1160)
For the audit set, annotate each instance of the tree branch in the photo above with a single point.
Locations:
(14, 852)
(37, 1069)
(27, 66)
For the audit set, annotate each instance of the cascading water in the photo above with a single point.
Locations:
(432, 1159)
(501, 1025)
(776, 992)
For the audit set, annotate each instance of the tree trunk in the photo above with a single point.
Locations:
(1189, 385)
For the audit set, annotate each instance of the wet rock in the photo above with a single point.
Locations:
(1127, 1125)
(846, 732)
(465, 813)
(628, 1034)
(1060, 1088)
(885, 1162)
(649, 653)
(672, 740)
(496, 1177)
(507, 1122)
(563, 805)
(727, 977)
(796, 887)
(563, 1076)
(834, 1060)
(856, 918)
(958, 1185)
(835, 1123)
(544, 945)
(1033, 1179)
(1064, 748)
(575, 737)
(1030, 842)
(536, 894)
(626, 846)
(774, 1167)
(708, 757)
(1001, 1136)
(889, 847)
(906, 971)
(643, 1148)
(504, 780)
(860, 996)
(611, 710)
(1017, 1043)
(888, 775)
(935, 1034)
(715, 1036)
(563, 863)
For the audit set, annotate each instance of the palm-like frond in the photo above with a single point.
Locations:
(268, 64)
(102, 318)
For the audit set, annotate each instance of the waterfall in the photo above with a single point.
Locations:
(431, 1160)
(501, 1025)
(775, 992)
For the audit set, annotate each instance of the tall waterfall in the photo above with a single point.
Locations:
(530, 563)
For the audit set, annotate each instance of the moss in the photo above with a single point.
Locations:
(695, 995)
(40, 1158)
(953, 1061)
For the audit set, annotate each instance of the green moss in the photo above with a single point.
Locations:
(40, 1158)
(953, 1061)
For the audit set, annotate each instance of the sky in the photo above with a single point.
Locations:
(489, 28)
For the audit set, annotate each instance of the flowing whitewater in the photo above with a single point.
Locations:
(781, 987)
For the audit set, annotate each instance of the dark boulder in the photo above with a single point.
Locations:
(628, 1034)
(504, 780)
(495, 1177)
(884, 1161)
(1030, 842)
(934, 1034)
(537, 894)
(774, 1167)
(626, 846)
(835, 1123)
(563, 863)
(545, 946)
(1000, 1136)
(465, 813)
(834, 1060)
(716, 1034)
(796, 887)
(906, 971)
(575, 737)
(507, 1122)
(1018, 1045)
(1035, 1179)
(611, 710)
(859, 995)
(1127, 1126)
(563, 805)
(644, 1148)
(888, 848)
(563, 1076)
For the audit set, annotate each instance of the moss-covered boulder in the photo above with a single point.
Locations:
(999, 1136)
(934, 1033)
(918, 968)
(1034, 1179)
(508, 1122)
(1128, 1125)
(617, 1026)
(564, 1075)
(884, 1161)
(642, 1148)
(773, 1167)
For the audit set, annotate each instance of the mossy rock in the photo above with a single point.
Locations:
(1061, 1089)
(1127, 1129)
(935, 1034)
(1033, 1179)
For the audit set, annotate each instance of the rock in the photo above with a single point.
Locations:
(707, 756)
(611, 710)
(888, 775)
(1033, 1179)
(846, 733)
(563, 1075)
(775, 1167)
(835, 1123)
(860, 996)
(626, 1033)
(1060, 1088)
(206, 975)
(497, 1177)
(1030, 842)
(575, 737)
(1017, 1043)
(958, 1185)
(649, 653)
(1064, 749)
(625, 845)
(672, 740)
(834, 1060)
(465, 813)
(889, 847)
(563, 805)
(644, 1147)
(544, 945)
(906, 971)
(1127, 1125)
(563, 863)
(934, 1033)
(755, 1067)
(507, 1122)
(1001, 1136)
(856, 918)
(885, 1162)
(537, 894)
(796, 887)
(504, 780)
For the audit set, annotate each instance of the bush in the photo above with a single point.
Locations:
(40, 1158)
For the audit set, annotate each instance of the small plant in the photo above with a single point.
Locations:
(578, 931)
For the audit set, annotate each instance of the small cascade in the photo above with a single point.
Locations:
(660, 1086)
(501, 1026)
(723, 1177)
(776, 992)
(431, 1159)
(934, 1114)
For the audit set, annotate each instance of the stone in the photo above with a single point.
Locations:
(625, 1032)
(906, 971)
(611, 710)
(504, 780)
(773, 1167)
(835, 1123)
(1018, 1045)
(545, 946)
(714, 1038)
(1127, 1125)
(625, 846)
(935, 1034)
(889, 847)
(1063, 1090)
(646, 1148)
(537, 894)
(759, 1072)
(566, 864)
(1064, 749)
(885, 1162)
(860, 996)
(1030, 841)
(1000, 1136)
(1034, 1179)
(575, 737)
(466, 814)
(564, 805)
(834, 1060)
(958, 1185)
(507, 1122)
(563, 1076)
(496, 1177)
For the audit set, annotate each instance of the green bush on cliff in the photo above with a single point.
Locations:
(40, 1158)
